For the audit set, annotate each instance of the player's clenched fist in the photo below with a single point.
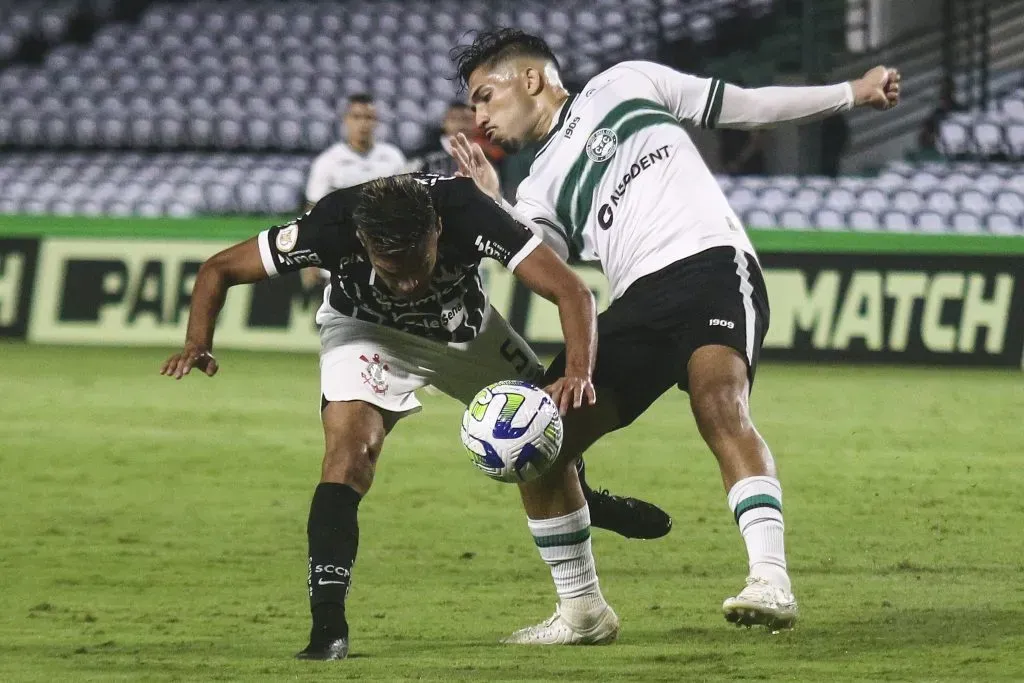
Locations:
(879, 88)
(192, 356)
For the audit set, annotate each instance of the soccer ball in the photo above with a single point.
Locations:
(512, 431)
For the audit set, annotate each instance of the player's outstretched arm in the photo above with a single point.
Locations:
(547, 275)
(240, 264)
(712, 103)
(750, 108)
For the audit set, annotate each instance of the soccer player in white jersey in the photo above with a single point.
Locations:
(618, 180)
(358, 159)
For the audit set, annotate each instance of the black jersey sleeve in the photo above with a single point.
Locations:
(313, 239)
(483, 225)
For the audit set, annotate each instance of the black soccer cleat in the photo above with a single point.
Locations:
(327, 651)
(629, 517)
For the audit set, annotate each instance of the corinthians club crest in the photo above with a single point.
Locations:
(376, 373)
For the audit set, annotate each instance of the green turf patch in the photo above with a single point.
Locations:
(155, 530)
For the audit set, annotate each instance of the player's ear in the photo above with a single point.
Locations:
(439, 225)
(533, 80)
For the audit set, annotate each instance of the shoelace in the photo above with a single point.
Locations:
(533, 630)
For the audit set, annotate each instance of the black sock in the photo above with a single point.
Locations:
(581, 471)
(333, 532)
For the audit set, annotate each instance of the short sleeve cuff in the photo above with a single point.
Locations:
(265, 255)
(527, 249)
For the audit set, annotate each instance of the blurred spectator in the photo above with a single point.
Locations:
(835, 136)
(927, 141)
(436, 156)
(742, 151)
(947, 103)
(928, 136)
(357, 160)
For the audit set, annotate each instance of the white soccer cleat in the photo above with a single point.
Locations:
(600, 628)
(761, 604)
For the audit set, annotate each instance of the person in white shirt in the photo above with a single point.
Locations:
(359, 159)
(618, 180)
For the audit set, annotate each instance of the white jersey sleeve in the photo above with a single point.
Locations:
(542, 221)
(318, 185)
(711, 103)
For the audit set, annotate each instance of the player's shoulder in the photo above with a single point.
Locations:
(336, 151)
(448, 191)
(388, 151)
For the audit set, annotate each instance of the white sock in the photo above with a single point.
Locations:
(564, 544)
(756, 503)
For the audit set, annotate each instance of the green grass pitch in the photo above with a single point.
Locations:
(153, 530)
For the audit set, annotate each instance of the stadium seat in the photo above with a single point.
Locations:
(975, 202)
(907, 201)
(806, 200)
(966, 223)
(1015, 139)
(953, 139)
(759, 218)
(1010, 203)
(827, 219)
(897, 221)
(988, 139)
(1001, 224)
(942, 202)
(773, 199)
(930, 222)
(794, 220)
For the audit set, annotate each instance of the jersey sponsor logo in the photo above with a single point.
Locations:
(571, 127)
(375, 374)
(601, 145)
(452, 315)
(303, 257)
(605, 213)
(718, 322)
(287, 237)
(491, 249)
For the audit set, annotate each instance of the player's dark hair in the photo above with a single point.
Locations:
(360, 98)
(456, 104)
(395, 215)
(492, 47)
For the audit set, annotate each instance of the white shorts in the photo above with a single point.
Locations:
(363, 361)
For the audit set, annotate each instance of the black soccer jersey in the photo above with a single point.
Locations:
(472, 226)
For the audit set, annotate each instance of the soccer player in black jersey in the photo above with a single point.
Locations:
(405, 308)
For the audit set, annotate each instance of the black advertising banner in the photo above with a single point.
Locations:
(907, 308)
(18, 259)
(867, 307)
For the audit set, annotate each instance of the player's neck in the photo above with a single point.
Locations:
(360, 146)
(549, 114)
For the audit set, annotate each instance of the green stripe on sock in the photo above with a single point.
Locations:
(762, 500)
(562, 539)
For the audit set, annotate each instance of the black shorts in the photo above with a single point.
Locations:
(646, 337)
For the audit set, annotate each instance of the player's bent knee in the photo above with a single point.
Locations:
(353, 464)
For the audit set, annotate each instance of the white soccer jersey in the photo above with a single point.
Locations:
(340, 166)
(622, 181)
